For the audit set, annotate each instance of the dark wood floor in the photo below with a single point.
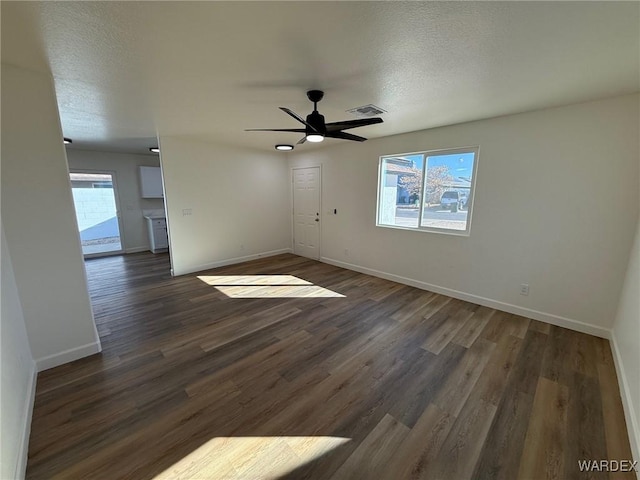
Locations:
(318, 373)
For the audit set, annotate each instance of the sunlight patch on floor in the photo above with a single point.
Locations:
(250, 457)
(266, 286)
(253, 280)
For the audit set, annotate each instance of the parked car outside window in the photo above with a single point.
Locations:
(450, 200)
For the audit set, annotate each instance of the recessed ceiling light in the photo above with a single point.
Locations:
(67, 141)
(155, 149)
(315, 138)
(284, 148)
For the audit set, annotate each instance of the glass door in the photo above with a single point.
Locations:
(95, 199)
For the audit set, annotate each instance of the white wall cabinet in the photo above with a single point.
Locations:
(151, 182)
(158, 238)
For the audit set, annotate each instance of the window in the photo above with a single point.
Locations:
(427, 191)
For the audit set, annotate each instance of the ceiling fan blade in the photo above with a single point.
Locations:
(302, 140)
(361, 122)
(298, 117)
(345, 136)
(296, 130)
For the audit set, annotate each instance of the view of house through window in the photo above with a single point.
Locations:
(427, 190)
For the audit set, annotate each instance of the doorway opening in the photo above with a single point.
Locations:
(96, 204)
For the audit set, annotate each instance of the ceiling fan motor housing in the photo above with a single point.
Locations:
(316, 120)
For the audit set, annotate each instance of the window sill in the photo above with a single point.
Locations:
(440, 231)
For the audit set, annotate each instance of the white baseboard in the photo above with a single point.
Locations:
(137, 249)
(487, 302)
(625, 393)
(23, 449)
(229, 261)
(67, 356)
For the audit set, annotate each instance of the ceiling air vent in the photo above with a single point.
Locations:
(366, 111)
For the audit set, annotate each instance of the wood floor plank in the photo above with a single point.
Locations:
(416, 307)
(615, 426)
(447, 330)
(419, 450)
(384, 381)
(462, 380)
(504, 445)
(603, 352)
(474, 326)
(490, 387)
(374, 451)
(540, 327)
(461, 449)
(386, 291)
(583, 354)
(502, 323)
(435, 305)
(585, 418)
(542, 456)
(427, 383)
(554, 361)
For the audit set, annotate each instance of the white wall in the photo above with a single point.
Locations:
(39, 222)
(97, 205)
(125, 166)
(555, 206)
(18, 371)
(626, 341)
(239, 201)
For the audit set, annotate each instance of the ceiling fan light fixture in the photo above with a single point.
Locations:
(284, 148)
(315, 137)
(315, 126)
(154, 149)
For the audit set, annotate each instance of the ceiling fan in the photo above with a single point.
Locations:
(315, 127)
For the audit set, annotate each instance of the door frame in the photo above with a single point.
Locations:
(293, 218)
(116, 194)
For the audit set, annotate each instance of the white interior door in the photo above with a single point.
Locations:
(306, 212)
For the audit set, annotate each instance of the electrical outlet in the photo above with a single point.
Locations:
(346, 252)
(186, 211)
(242, 246)
(524, 289)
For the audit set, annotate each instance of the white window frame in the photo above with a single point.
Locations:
(425, 154)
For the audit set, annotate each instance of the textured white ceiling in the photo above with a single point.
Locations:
(127, 71)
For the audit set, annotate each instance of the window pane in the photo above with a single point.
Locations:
(400, 190)
(447, 191)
